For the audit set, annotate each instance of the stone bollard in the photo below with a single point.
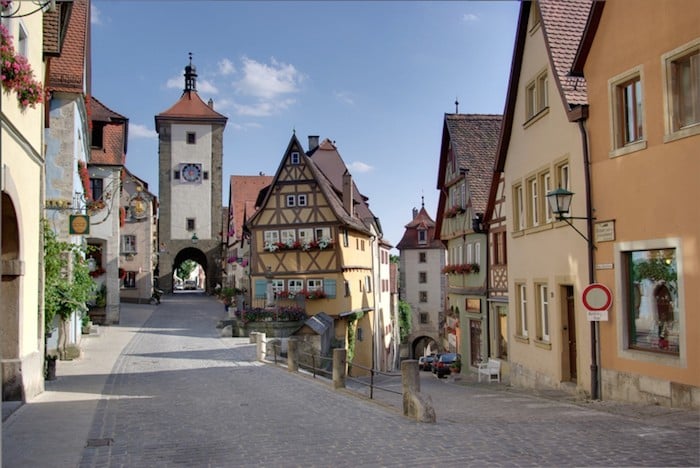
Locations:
(415, 405)
(260, 346)
(339, 367)
(292, 358)
(253, 337)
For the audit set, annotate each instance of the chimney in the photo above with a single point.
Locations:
(347, 193)
(210, 103)
(415, 213)
(313, 142)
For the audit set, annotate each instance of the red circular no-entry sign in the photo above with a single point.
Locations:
(597, 297)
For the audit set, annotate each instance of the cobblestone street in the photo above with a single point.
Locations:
(179, 395)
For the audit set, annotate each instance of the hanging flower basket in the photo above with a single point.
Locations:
(454, 211)
(16, 73)
(461, 269)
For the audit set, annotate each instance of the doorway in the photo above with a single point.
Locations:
(569, 356)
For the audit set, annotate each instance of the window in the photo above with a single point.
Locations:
(563, 179)
(473, 306)
(536, 99)
(191, 138)
(306, 235)
(534, 17)
(362, 245)
(470, 253)
(97, 134)
(533, 195)
(176, 175)
(291, 200)
(270, 237)
(422, 257)
(129, 244)
(189, 222)
(521, 305)
(682, 89)
(626, 101)
(295, 285)
(543, 312)
(518, 208)
(422, 277)
(499, 249)
(368, 283)
(314, 284)
(346, 238)
(322, 233)
(423, 296)
(96, 186)
(301, 200)
(424, 318)
(295, 157)
(277, 285)
(546, 188)
(130, 280)
(653, 307)
(287, 236)
(422, 236)
(205, 175)
(477, 253)
(347, 288)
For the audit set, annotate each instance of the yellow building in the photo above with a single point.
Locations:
(642, 66)
(312, 243)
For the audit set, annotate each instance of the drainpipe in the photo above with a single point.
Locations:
(595, 381)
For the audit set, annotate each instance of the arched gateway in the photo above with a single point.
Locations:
(190, 148)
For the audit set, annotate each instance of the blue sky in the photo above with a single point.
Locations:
(375, 77)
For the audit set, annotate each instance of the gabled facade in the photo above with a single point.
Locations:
(313, 236)
(644, 170)
(138, 228)
(243, 196)
(541, 149)
(467, 154)
(107, 157)
(422, 283)
(22, 168)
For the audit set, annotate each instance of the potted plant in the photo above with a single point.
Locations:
(456, 367)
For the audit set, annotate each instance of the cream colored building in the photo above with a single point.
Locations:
(541, 149)
(22, 166)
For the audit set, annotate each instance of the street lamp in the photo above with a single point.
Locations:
(560, 203)
(195, 239)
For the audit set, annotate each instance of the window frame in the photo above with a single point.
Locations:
(536, 96)
(191, 224)
(422, 257)
(314, 284)
(543, 320)
(295, 158)
(301, 200)
(518, 208)
(533, 196)
(291, 201)
(618, 116)
(673, 127)
(422, 277)
(129, 281)
(521, 305)
(128, 244)
(271, 237)
(288, 235)
(422, 297)
(191, 138)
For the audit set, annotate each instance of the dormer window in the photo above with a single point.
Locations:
(422, 236)
(295, 157)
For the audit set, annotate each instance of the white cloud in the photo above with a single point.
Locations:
(358, 166)
(245, 126)
(141, 131)
(226, 67)
(469, 17)
(268, 81)
(263, 108)
(95, 15)
(345, 96)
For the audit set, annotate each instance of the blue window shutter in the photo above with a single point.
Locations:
(260, 288)
(329, 288)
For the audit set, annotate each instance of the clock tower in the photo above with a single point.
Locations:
(190, 157)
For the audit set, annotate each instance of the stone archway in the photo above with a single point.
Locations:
(422, 345)
(193, 253)
(10, 310)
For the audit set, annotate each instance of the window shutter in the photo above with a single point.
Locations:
(329, 288)
(260, 288)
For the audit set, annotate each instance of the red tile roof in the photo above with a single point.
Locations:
(410, 236)
(114, 135)
(564, 22)
(70, 71)
(190, 106)
(243, 193)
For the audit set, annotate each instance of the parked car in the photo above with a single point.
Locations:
(190, 284)
(436, 358)
(442, 366)
(425, 363)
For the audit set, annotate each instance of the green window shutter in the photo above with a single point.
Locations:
(329, 288)
(260, 288)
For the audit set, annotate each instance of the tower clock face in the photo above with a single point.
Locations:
(192, 172)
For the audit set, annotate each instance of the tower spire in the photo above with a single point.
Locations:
(456, 106)
(190, 76)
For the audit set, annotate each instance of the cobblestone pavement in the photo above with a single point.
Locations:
(179, 395)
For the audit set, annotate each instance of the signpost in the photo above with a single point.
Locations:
(597, 300)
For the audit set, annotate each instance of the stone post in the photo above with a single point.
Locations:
(253, 337)
(410, 378)
(292, 359)
(415, 406)
(339, 367)
(260, 346)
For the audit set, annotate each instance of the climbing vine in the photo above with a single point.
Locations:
(404, 320)
(352, 335)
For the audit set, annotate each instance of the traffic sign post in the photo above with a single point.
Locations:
(597, 299)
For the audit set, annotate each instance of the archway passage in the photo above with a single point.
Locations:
(195, 277)
(10, 310)
(424, 346)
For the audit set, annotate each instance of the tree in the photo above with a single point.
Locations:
(186, 268)
(404, 320)
(68, 285)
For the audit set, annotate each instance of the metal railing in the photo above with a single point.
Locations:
(371, 384)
